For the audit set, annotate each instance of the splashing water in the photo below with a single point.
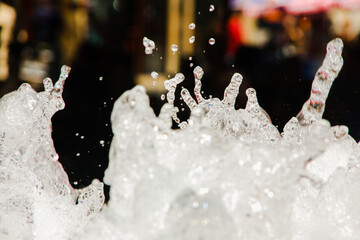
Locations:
(36, 198)
(226, 174)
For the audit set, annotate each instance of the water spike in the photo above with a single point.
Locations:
(252, 105)
(198, 74)
(291, 130)
(59, 85)
(171, 85)
(232, 90)
(314, 107)
(190, 102)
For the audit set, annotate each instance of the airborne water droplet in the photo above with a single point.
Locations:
(149, 45)
(211, 41)
(101, 78)
(192, 26)
(192, 39)
(174, 47)
(163, 97)
(211, 8)
(154, 74)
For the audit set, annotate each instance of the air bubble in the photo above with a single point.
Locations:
(211, 41)
(192, 26)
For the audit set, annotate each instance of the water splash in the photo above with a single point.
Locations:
(227, 174)
(36, 198)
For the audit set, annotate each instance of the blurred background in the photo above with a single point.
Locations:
(277, 45)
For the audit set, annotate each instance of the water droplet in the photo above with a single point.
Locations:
(192, 39)
(174, 47)
(190, 58)
(163, 97)
(211, 41)
(76, 134)
(192, 26)
(191, 64)
(78, 154)
(76, 183)
(101, 78)
(82, 137)
(154, 83)
(154, 74)
(149, 45)
(211, 8)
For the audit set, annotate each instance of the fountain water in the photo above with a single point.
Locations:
(226, 174)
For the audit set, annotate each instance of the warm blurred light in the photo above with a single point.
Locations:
(256, 7)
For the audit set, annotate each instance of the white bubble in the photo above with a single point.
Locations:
(101, 78)
(211, 41)
(192, 26)
(162, 97)
(190, 58)
(211, 8)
